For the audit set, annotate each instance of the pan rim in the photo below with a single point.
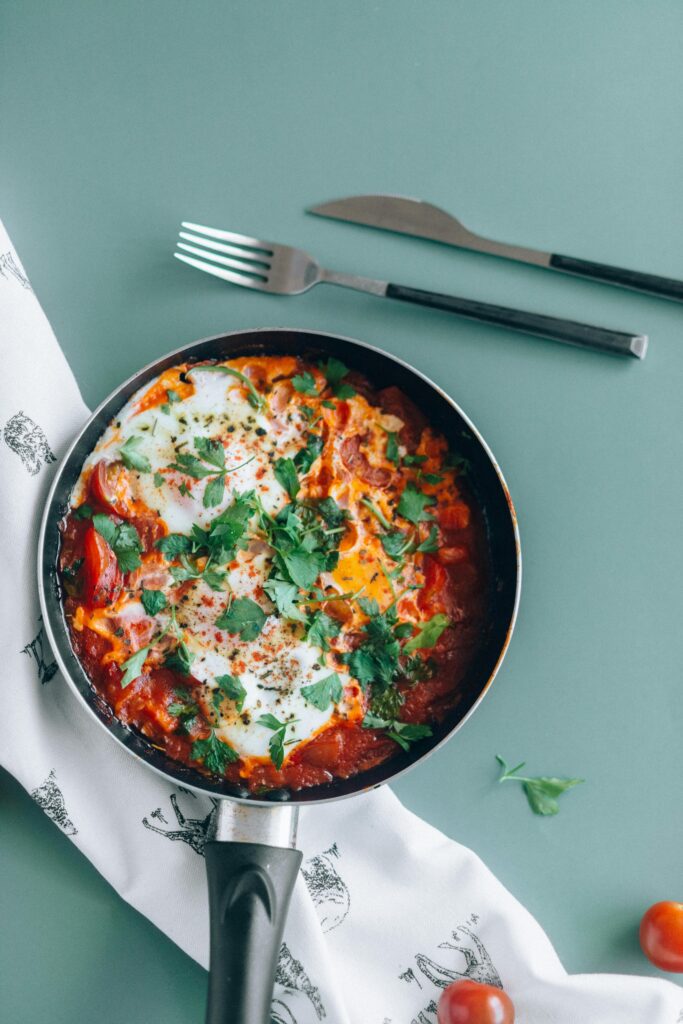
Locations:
(185, 351)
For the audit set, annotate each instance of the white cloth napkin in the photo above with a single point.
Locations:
(386, 911)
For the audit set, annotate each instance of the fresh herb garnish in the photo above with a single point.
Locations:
(541, 791)
(304, 383)
(172, 396)
(404, 733)
(323, 693)
(305, 457)
(211, 463)
(173, 544)
(432, 478)
(322, 628)
(132, 667)
(83, 512)
(413, 503)
(122, 538)
(284, 596)
(242, 616)
(428, 634)
(276, 743)
(414, 460)
(184, 708)
(387, 704)
(335, 371)
(187, 570)
(453, 461)
(431, 543)
(131, 457)
(377, 513)
(158, 479)
(153, 601)
(395, 544)
(254, 398)
(232, 688)
(215, 754)
(328, 404)
(392, 447)
(180, 659)
(333, 515)
(286, 474)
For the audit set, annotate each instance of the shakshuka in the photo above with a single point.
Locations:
(274, 571)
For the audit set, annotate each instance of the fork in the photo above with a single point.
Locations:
(283, 270)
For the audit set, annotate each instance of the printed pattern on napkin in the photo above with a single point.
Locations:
(386, 911)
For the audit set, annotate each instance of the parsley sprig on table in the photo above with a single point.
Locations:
(541, 791)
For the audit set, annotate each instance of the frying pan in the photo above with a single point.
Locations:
(251, 859)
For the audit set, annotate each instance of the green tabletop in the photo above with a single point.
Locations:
(541, 122)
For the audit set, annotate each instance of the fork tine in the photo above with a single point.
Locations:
(229, 250)
(226, 261)
(226, 275)
(229, 236)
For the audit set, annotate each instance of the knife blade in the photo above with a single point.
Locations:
(424, 220)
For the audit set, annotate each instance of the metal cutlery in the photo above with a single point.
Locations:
(270, 267)
(415, 217)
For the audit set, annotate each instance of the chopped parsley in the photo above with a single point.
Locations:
(404, 733)
(392, 448)
(153, 601)
(83, 512)
(131, 457)
(242, 616)
(122, 538)
(232, 688)
(276, 743)
(286, 474)
(335, 371)
(323, 693)
(211, 463)
(304, 383)
(428, 634)
(305, 457)
(413, 503)
(215, 754)
(321, 628)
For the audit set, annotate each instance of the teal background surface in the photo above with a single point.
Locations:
(546, 123)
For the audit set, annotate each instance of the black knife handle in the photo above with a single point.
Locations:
(665, 287)
(568, 331)
(249, 890)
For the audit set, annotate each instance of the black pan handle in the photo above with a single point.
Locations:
(568, 331)
(665, 287)
(250, 886)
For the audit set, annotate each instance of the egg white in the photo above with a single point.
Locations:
(279, 662)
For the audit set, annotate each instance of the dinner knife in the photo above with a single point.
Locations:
(424, 220)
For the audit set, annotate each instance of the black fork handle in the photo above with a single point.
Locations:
(250, 886)
(569, 332)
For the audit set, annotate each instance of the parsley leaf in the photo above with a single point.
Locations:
(305, 383)
(413, 503)
(387, 704)
(304, 566)
(83, 512)
(333, 515)
(286, 474)
(403, 733)
(242, 616)
(428, 634)
(190, 465)
(283, 595)
(395, 544)
(232, 688)
(210, 451)
(305, 457)
(335, 371)
(158, 479)
(132, 667)
(323, 693)
(173, 545)
(215, 754)
(172, 396)
(131, 457)
(431, 543)
(180, 659)
(541, 791)
(276, 743)
(122, 538)
(392, 447)
(321, 628)
(153, 601)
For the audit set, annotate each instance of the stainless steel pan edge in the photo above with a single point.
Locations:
(265, 340)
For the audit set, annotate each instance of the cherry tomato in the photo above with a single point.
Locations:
(434, 596)
(469, 1002)
(102, 576)
(661, 935)
(109, 487)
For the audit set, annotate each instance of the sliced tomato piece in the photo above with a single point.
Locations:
(102, 576)
(109, 487)
(455, 517)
